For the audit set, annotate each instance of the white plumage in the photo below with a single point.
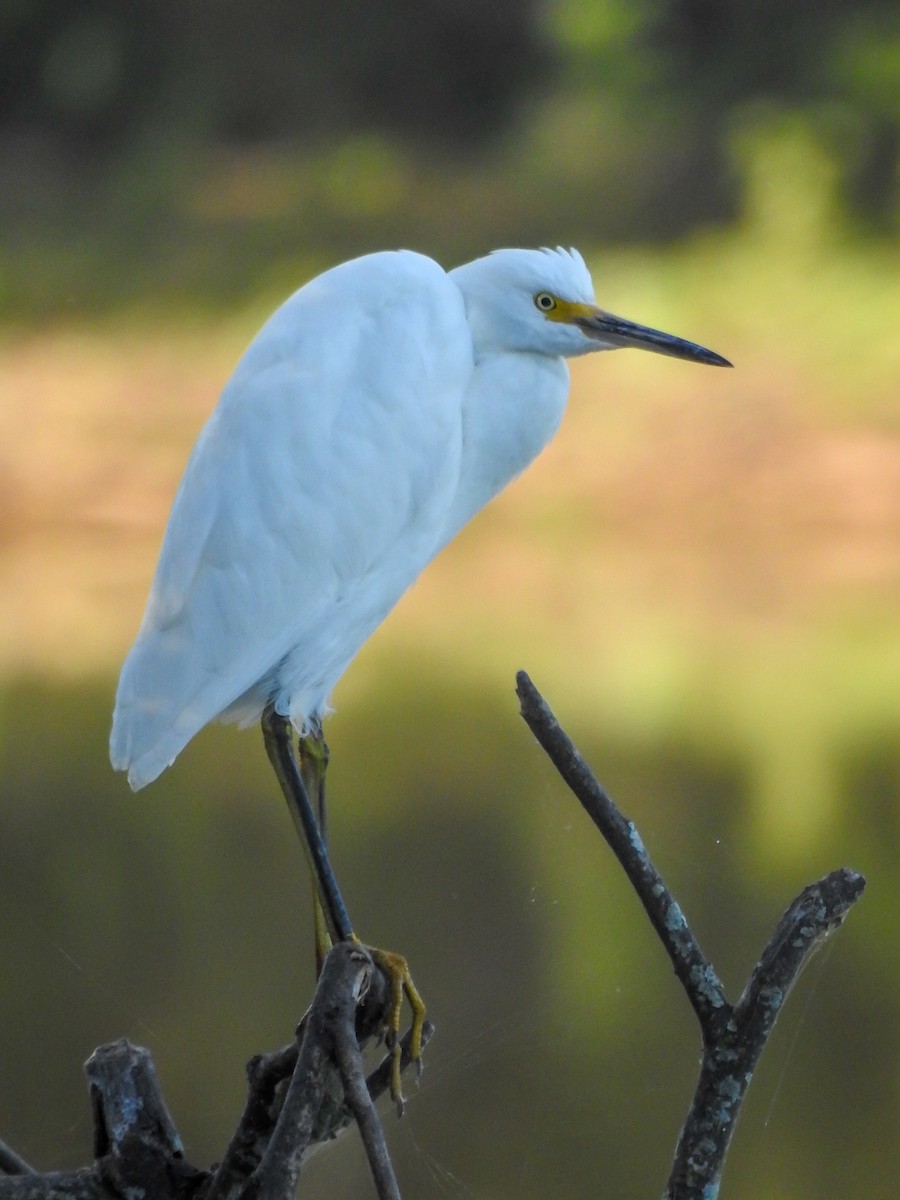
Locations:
(373, 415)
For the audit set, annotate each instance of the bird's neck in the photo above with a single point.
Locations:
(513, 406)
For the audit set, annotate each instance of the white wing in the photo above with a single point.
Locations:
(314, 496)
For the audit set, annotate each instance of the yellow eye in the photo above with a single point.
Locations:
(545, 302)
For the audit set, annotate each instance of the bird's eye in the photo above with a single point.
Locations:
(545, 302)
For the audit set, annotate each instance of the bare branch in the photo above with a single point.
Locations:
(733, 1036)
(360, 1102)
(137, 1151)
(127, 1102)
(84, 1184)
(730, 1058)
(345, 978)
(307, 1092)
(693, 968)
(12, 1163)
(270, 1074)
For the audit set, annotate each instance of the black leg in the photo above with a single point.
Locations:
(313, 752)
(296, 783)
(314, 756)
(278, 738)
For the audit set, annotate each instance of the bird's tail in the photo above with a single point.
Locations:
(158, 708)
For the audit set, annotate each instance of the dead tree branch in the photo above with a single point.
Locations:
(305, 1093)
(12, 1163)
(733, 1035)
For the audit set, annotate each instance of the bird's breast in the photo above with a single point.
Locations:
(513, 406)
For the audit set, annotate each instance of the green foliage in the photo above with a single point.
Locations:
(181, 151)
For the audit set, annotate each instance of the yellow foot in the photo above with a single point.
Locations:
(397, 970)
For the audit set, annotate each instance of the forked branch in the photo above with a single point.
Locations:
(733, 1035)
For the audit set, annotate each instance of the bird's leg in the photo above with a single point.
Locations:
(313, 754)
(278, 738)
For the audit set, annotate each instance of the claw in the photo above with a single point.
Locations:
(401, 985)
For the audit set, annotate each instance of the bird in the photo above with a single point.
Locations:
(381, 407)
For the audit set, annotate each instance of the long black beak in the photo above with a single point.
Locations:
(617, 332)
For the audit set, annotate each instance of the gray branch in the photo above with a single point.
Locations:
(733, 1035)
(12, 1163)
(305, 1093)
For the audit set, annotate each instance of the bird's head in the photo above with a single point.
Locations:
(542, 302)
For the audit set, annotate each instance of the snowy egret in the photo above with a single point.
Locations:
(376, 412)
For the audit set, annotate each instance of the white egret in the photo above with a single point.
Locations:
(375, 413)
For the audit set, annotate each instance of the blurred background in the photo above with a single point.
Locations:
(702, 573)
